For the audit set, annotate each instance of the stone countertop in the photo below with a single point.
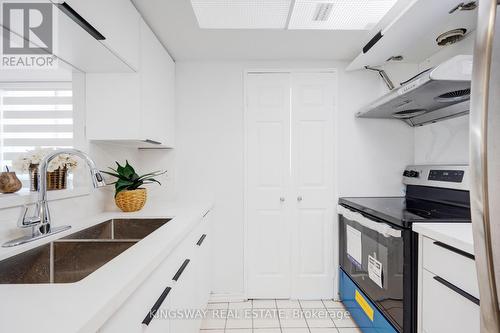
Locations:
(85, 305)
(458, 235)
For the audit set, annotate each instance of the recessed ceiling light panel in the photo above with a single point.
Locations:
(338, 14)
(241, 14)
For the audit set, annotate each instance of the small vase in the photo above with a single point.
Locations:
(9, 183)
(131, 201)
(56, 180)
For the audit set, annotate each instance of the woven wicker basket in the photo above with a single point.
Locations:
(56, 180)
(131, 201)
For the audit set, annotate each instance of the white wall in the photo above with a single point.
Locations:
(209, 153)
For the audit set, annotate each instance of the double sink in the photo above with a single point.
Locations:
(78, 255)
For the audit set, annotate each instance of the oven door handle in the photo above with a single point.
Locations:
(381, 228)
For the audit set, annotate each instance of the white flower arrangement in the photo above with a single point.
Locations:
(34, 157)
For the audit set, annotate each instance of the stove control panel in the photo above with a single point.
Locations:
(445, 176)
(454, 176)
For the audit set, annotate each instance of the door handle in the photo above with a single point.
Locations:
(282, 199)
(299, 198)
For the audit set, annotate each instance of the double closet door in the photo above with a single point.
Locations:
(289, 202)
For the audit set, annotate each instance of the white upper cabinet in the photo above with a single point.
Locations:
(117, 20)
(157, 84)
(135, 109)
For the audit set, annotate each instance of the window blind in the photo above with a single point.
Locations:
(34, 116)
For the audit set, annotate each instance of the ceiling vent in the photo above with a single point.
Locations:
(451, 37)
(454, 96)
(323, 12)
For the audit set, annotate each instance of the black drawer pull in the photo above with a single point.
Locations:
(181, 269)
(156, 306)
(206, 213)
(453, 249)
(78, 19)
(202, 238)
(457, 290)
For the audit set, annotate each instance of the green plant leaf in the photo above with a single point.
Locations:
(152, 174)
(128, 171)
(151, 180)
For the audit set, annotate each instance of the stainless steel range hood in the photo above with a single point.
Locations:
(436, 94)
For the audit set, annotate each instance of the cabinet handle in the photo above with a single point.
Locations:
(206, 213)
(181, 269)
(156, 306)
(457, 290)
(453, 249)
(200, 241)
(153, 142)
(78, 19)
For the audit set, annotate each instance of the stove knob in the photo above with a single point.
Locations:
(414, 174)
(406, 173)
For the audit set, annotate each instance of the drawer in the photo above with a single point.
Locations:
(445, 309)
(451, 264)
(361, 309)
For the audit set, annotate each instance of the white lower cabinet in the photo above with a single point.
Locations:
(169, 300)
(445, 309)
(448, 292)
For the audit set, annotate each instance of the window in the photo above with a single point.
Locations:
(34, 115)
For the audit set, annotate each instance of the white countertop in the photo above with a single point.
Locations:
(458, 235)
(85, 305)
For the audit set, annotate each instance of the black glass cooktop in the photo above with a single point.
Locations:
(403, 211)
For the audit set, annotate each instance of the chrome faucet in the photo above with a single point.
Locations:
(41, 222)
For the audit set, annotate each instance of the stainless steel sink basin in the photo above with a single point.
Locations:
(78, 255)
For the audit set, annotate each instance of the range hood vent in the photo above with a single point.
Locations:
(436, 94)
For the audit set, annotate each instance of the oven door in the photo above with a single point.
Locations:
(372, 254)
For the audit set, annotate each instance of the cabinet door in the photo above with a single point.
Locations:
(446, 308)
(153, 291)
(113, 104)
(183, 299)
(157, 89)
(117, 21)
(203, 274)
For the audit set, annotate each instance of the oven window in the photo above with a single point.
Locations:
(375, 263)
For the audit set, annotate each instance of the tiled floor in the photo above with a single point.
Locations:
(278, 316)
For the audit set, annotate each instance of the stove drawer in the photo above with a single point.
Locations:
(453, 265)
(446, 308)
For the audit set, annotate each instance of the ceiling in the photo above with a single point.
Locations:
(175, 24)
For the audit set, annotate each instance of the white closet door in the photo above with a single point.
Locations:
(312, 191)
(268, 164)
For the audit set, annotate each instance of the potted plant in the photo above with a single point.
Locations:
(57, 172)
(130, 196)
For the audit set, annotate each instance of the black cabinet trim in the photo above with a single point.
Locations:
(454, 249)
(202, 238)
(457, 290)
(372, 42)
(78, 19)
(156, 306)
(180, 270)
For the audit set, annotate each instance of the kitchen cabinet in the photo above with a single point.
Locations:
(448, 289)
(118, 21)
(170, 292)
(134, 109)
(77, 47)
